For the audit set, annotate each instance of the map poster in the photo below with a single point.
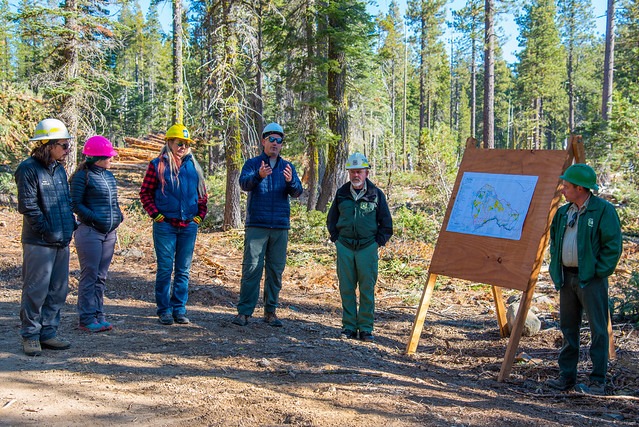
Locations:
(492, 205)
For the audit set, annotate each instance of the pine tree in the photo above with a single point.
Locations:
(541, 72)
(577, 28)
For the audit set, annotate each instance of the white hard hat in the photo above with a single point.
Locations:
(357, 161)
(50, 129)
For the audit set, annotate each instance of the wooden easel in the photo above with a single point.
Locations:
(490, 260)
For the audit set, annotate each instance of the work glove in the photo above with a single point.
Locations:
(197, 219)
(158, 217)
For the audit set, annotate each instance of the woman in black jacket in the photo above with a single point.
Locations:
(94, 199)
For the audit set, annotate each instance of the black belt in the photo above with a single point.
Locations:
(572, 270)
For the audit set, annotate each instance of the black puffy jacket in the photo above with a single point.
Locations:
(43, 200)
(94, 198)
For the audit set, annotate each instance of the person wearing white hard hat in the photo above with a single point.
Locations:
(270, 182)
(359, 222)
(47, 229)
(94, 199)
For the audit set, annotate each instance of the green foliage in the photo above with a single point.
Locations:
(403, 267)
(416, 224)
(307, 226)
(7, 184)
(625, 306)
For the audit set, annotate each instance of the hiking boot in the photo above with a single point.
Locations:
(93, 327)
(31, 347)
(240, 319)
(348, 334)
(181, 319)
(166, 319)
(595, 388)
(366, 336)
(272, 320)
(55, 343)
(561, 383)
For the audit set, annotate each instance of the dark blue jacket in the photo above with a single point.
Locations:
(43, 200)
(179, 197)
(268, 204)
(94, 198)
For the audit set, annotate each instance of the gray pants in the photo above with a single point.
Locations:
(95, 251)
(45, 284)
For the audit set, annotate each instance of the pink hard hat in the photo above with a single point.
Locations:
(98, 146)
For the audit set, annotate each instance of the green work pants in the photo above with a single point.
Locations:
(573, 301)
(357, 268)
(264, 249)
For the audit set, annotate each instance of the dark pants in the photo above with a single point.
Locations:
(264, 249)
(45, 276)
(574, 300)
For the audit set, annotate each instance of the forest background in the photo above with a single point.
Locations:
(405, 89)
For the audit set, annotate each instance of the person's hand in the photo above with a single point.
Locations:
(197, 219)
(288, 173)
(265, 170)
(158, 218)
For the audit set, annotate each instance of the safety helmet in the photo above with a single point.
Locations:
(179, 131)
(100, 146)
(272, 128)
(357, 161)
(49, 129)
(582, 175)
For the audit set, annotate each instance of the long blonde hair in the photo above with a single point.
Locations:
(174, 168)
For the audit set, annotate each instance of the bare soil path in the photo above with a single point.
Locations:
(214, 373)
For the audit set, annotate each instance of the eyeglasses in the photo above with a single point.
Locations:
(573, 220)
(64, 146)
(275, 139)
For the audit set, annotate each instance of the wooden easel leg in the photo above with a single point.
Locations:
(612, 355)
(500, 308)
(418, 324)
(515, 335)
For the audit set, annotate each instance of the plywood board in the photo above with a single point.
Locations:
(496, 261)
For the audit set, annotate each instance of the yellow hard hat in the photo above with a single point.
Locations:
(178, 131)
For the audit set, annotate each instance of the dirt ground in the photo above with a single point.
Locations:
(214, 373)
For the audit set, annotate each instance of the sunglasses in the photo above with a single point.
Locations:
(181, 143)
(275, 139)
(573, 220)
(64, 146)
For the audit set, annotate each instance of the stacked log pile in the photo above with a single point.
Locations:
(140, 150)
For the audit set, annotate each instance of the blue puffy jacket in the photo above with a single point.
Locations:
(94, 198)
(268, 204)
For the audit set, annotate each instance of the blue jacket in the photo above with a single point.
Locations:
(43, 200)
(179, 198)
(268, 204)
(94, 198)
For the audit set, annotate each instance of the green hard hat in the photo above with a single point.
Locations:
(582, 175)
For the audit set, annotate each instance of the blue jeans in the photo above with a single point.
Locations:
(173, 249)
(95, 251)
(45, 277)
(264, 249)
